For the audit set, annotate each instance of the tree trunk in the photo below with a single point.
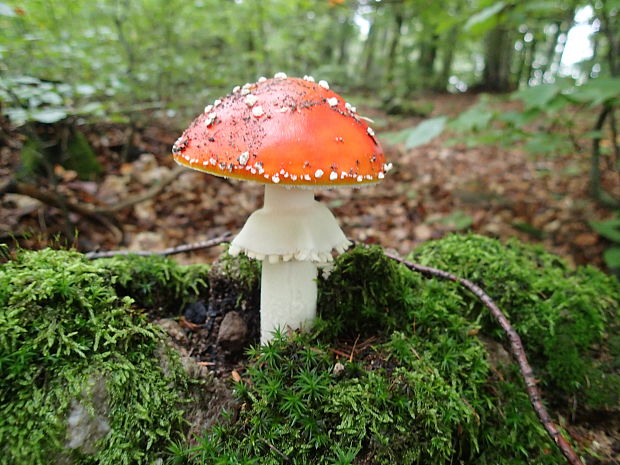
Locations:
(447, 58)
(369, 55)
(391, 64)
(499, 47)
(426, 60)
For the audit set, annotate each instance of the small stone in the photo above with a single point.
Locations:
(173, 329)
(196, 313)
(338, 369)
(233, 332)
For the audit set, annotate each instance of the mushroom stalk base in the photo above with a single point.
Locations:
(288, 296)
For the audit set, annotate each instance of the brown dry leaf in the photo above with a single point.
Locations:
(586, 239)
(235, 376)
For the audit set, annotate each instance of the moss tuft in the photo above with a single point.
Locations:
(156, 282)
(73, 352)
(567, 318)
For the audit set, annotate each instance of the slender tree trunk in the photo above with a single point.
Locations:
(426, 60)
(369, 55)
(499, 46)
(550, 53)
(530, 62)
(262, 38)
(345, 36)
(392, 55)
(447, 58)
(522, 65)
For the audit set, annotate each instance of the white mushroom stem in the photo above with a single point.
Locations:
(287, 297)
(291, 234)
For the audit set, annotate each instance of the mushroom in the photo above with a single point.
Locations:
(293, 135)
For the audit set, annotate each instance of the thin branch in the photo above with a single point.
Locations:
(95, 213)
(273, 448)
(516, 349)
(151, 192)
(169, 251)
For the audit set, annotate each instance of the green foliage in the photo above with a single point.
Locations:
(380, 297)
(610, 230)
(81, 157)
(31, 158)
(425, 392)
(155, 282)
(69, 342)
(297, 407)
(30, 99)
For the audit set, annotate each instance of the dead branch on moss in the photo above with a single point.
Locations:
(516, 349)
(169, 251)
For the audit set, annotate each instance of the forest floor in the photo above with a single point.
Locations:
(433, 190)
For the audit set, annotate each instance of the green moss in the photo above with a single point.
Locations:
(566, 317)
(68, 342)
(430, 389)
(156, 282)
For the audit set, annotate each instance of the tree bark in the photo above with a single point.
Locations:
(392, 55)
(499, 47)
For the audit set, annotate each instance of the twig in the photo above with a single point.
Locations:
(151, 192)
(57, 201)
(103, 214)
(273, 448)
(516, 349)
(353, 349)
(169, 251)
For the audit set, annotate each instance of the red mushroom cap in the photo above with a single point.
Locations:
(284, 130)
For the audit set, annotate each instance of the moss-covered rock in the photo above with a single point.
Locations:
(84, 378)
(568, 318)
(156, 282)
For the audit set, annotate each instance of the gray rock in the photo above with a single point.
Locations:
(173, 329)
(87, 426)
(233, 332)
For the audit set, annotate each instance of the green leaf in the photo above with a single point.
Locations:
(484, 15)
(425, 132)
(612, 257)
(51, 97)
(609, 229)
(49, 115)
(457, 220)
(597, 91)
(537, 96)
(474, 118)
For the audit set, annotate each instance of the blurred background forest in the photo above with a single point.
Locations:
(500, 116)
